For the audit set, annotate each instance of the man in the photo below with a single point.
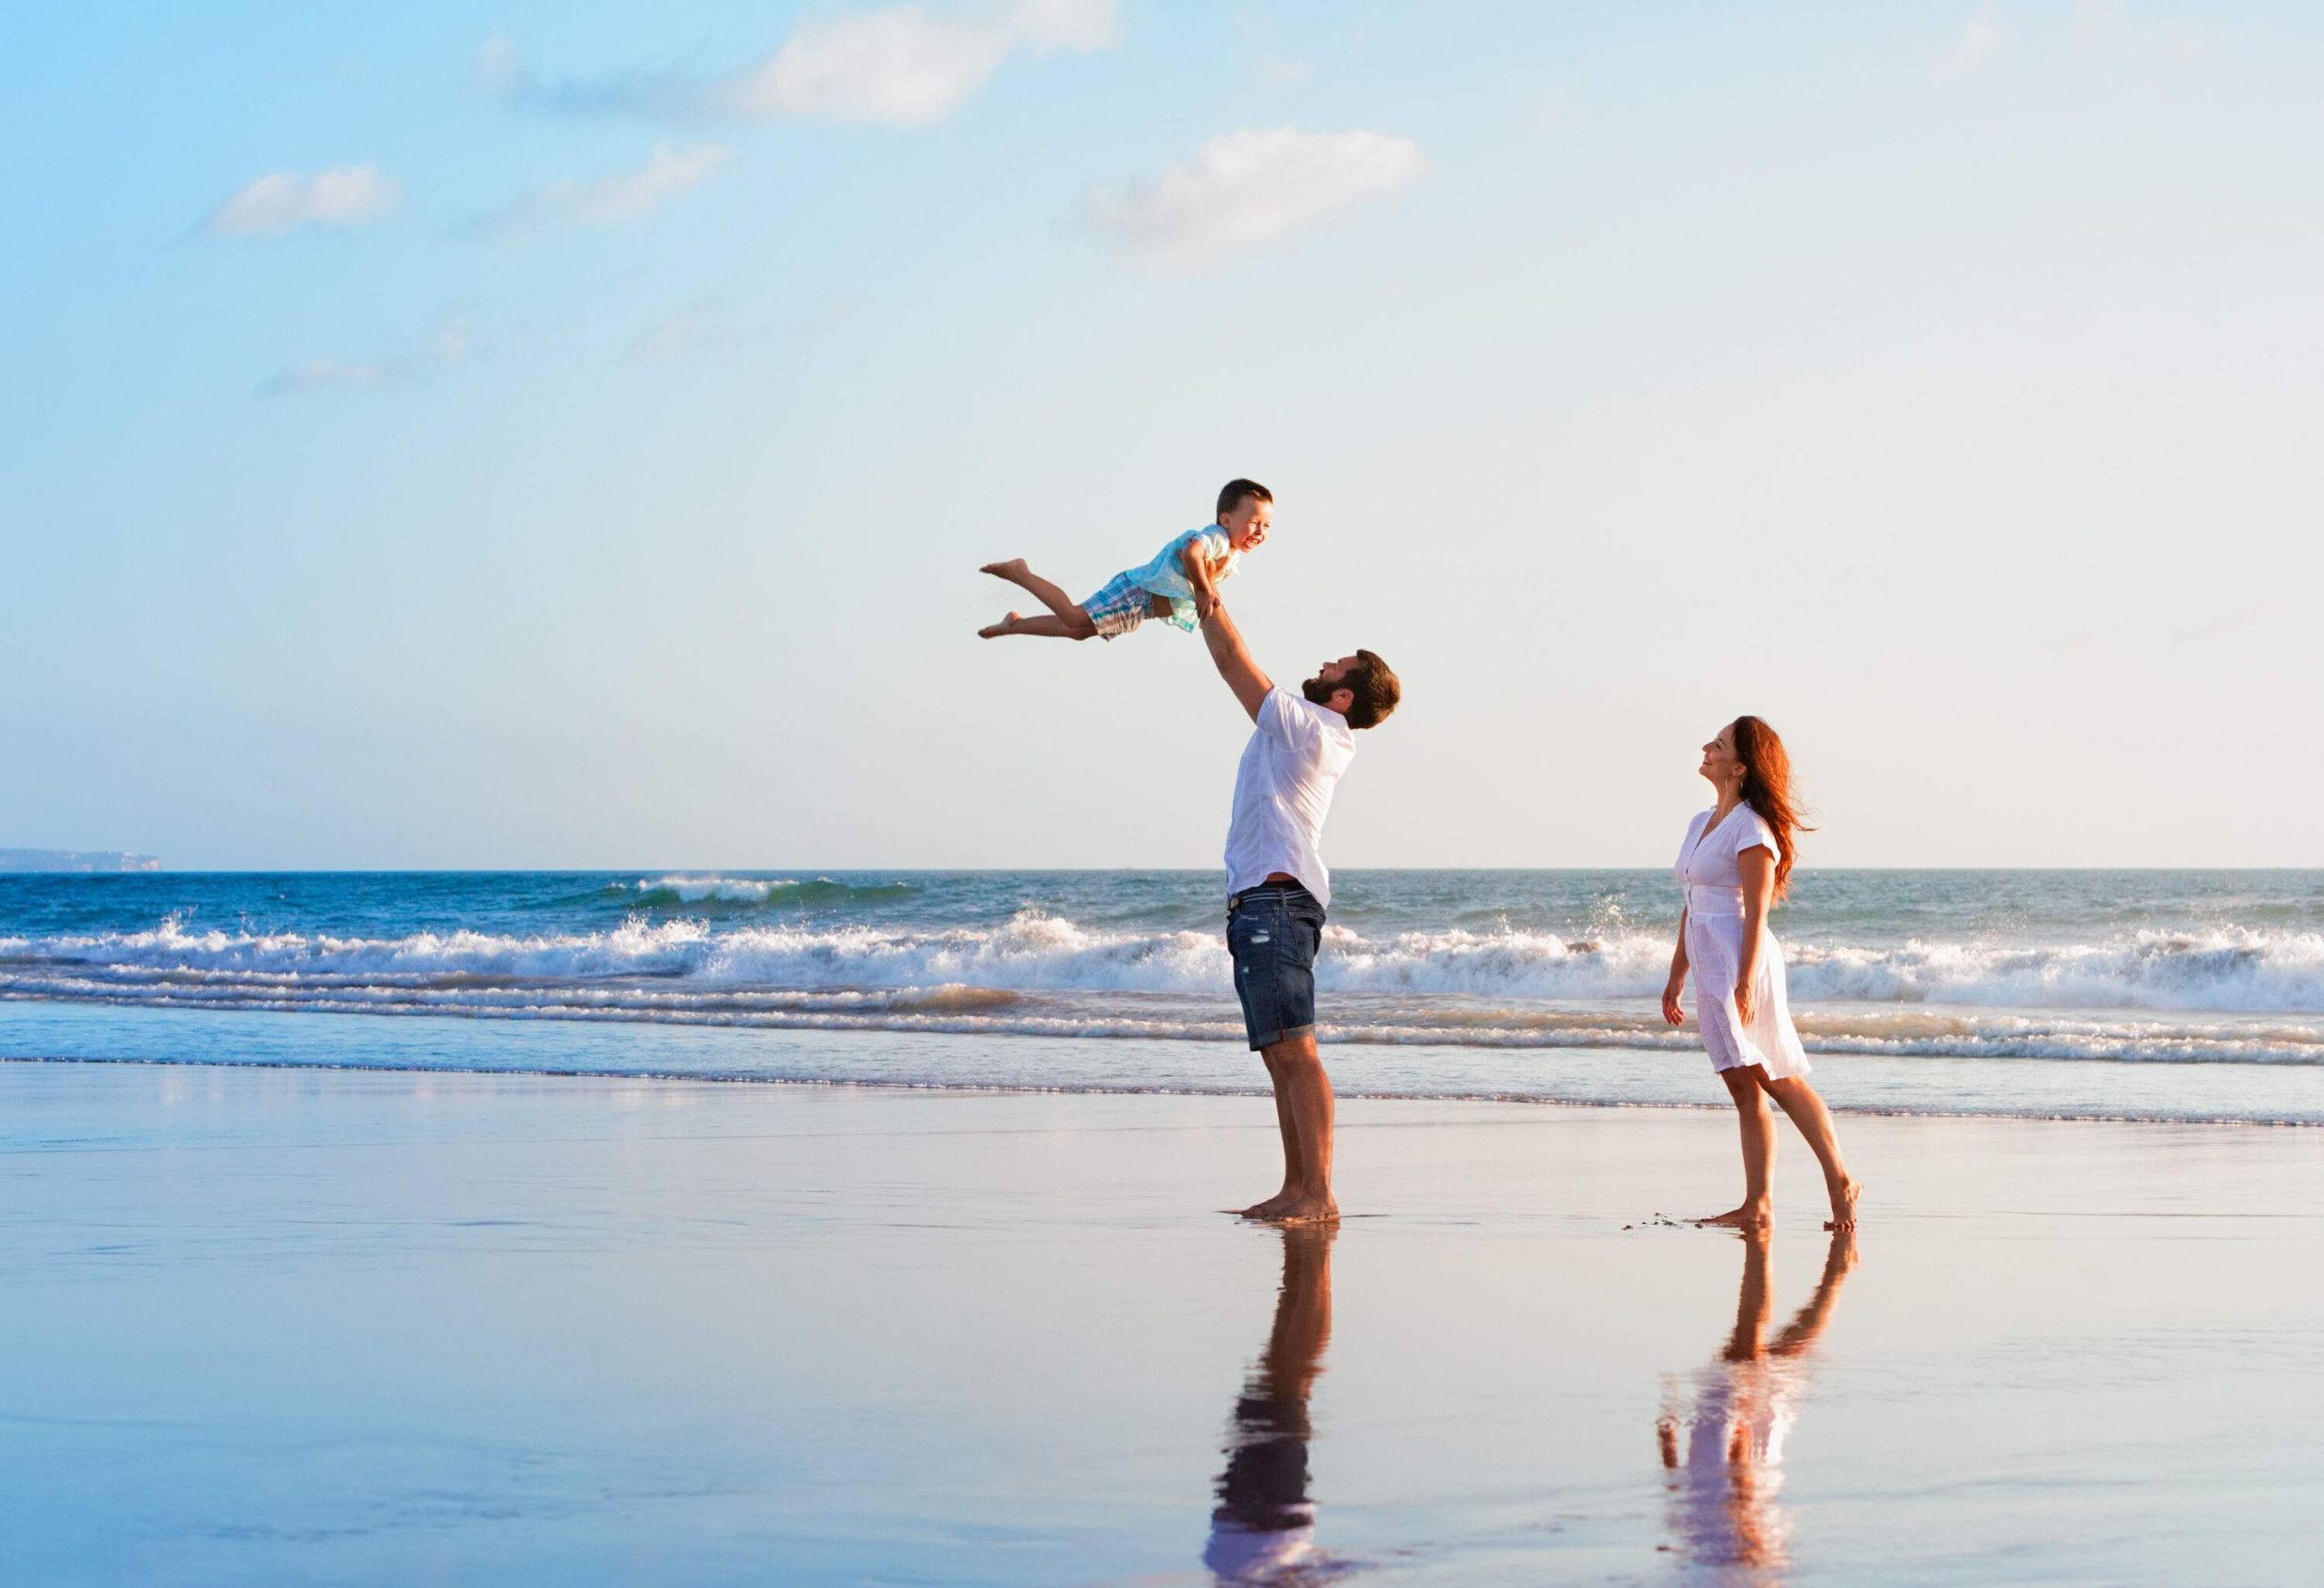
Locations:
(1277, 889)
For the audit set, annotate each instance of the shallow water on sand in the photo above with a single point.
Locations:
(2230, 1092)
(285, 1325)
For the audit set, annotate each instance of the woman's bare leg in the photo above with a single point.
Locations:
(1743, 1084)
(1799, 1099)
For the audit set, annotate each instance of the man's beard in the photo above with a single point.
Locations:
(1321, 693)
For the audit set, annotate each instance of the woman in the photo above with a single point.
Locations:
(1736, 863)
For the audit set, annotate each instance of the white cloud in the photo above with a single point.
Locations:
(325, 375)
(671, 170)
(713, 327)
(1279, 72)
(2100, 25)
(896, 65)
(1244, 189)
(669, 337)
(283, 201)
(1979, 40)
(451, 342)
(2222, 625)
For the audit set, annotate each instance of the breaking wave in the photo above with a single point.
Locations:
(677, 892)
(2226, 995)
(2225, 969)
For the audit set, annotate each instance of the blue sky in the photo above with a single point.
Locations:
(540, 435)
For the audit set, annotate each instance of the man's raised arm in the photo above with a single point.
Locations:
(1234, 659)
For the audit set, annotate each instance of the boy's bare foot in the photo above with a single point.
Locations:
(1013, 570)
(995, 630)
(1744, 1217)
(1844, 1206)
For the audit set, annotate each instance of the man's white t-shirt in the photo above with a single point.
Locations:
(1283, 791)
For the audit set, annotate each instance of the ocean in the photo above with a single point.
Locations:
(2180, 994)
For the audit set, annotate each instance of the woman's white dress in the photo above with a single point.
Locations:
(1712, 876)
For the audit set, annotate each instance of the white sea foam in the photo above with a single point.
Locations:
(1487, 988)
(2224, 969)
(731, 890)
(678, 892)
(981, 1011)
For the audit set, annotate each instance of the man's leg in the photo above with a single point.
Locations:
(1274, 943)
(1304, 1100)
(1290, 1191)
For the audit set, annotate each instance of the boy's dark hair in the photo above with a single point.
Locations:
(1377, 690)
(1231, 495)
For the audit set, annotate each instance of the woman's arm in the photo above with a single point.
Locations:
(1759, 868)
(1677, 983)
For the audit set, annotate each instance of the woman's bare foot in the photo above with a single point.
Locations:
(1843, 1205)
(1013, 570)
(1747, 1216)
(995, 630)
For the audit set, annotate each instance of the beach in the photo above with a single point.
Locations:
(1691, 615)
(274, 1324)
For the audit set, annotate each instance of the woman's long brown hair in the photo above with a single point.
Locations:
(1766, 789)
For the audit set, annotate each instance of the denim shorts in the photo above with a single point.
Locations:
(1273, 931)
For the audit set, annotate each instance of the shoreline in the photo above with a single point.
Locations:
(990, 1088)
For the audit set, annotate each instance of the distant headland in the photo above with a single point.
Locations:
(76, 860)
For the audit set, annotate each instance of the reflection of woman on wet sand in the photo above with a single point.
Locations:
(1265, 1526)
(1723, 1445)
(1734, 865)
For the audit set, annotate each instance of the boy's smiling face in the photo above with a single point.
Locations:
(1248, 522)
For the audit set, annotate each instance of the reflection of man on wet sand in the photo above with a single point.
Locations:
(1265, 1526)
(1724, 1481)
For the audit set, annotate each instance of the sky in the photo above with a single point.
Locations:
(566, 434)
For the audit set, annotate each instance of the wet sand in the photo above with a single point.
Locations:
(282, 1326)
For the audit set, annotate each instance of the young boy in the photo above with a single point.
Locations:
(1180, 586)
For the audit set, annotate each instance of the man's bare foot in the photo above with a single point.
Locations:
(1844, 1206)
(995, 630)
(1270, 1208)
(1013, 570)
(1306, 1210)
(1744, 1217)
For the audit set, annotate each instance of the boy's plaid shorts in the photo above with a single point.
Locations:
(1120, 606)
